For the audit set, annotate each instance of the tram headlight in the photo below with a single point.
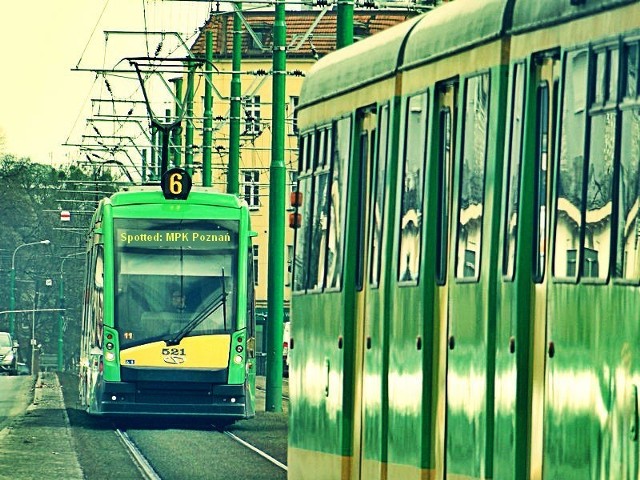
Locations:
(238, 359)
(110, 356)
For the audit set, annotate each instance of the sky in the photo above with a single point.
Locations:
(45, 48)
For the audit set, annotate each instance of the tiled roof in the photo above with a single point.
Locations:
(301, 43)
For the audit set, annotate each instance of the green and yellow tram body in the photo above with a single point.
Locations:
(168, 322)
(465, 278)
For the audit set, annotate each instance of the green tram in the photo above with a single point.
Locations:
(467, 275)
(168, 321)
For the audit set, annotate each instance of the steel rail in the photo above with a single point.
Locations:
(256, 450)
(141, 462)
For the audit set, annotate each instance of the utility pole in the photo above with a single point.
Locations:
(208, 110)
(344, 27)
(236, 98)
(275, 287)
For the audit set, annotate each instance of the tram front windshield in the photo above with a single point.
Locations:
(174, 279)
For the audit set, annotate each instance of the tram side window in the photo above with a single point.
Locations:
(603, 119)
(568, 217)
(628, 221)
(446, 104)
(320, 220)
(411, 204)
(96, 316)
(377, 210)
(474, 155)
(338, 202)
(302, 234)
(513, 155)
(540, 183)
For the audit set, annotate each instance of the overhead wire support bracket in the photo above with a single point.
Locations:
(166, 128)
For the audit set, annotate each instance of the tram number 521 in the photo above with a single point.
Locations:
(176, 184)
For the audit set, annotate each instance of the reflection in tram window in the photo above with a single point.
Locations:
(337, 200)
(318, 244)
(540, 184)
(378, 197)
(412, 189)
(514, 152)
(474, 156)
(300, 269)
(568, 218)
(599, 200)
(627, 255)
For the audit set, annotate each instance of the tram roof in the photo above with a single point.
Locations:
(533, 14)
(453, 27)
(153, 194)
(354, 66)
(448, 28)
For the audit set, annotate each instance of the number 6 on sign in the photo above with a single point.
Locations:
(176, 184)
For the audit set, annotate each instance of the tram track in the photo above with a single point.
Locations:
(149, 473)
(141, 462)
(256, 450)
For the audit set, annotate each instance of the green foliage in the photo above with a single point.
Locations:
(30, 200)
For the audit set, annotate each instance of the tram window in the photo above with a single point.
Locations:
(338, 201)
(628, 245)
(411, 203)
(251, 281)
(168, 271)
(445, 153)
(628, 193)
(96, 307)
(378, 195)
(631, 73)
(568, 218)
(320, 223)
(514, 155)
(302, 234)
(471, 197)
(599, 200)
(540, 183)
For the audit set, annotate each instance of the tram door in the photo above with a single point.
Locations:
(446, 102)
(544, 86)
(470, 368)
(367, 435)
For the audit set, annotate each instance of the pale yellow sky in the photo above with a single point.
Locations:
(41, 41)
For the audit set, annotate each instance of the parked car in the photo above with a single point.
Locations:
(8, 354)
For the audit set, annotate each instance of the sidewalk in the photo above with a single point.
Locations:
(38, 445)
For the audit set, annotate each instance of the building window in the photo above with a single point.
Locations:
(251, 188)
(251, 107)
(261, 38)
(255, 265)
(293, 115)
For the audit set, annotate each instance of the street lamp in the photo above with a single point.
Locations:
(12, 298)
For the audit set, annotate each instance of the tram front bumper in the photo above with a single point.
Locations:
(174, 399)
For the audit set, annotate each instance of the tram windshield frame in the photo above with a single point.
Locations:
(168, 272)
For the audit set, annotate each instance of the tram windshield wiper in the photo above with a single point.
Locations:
(219, 300)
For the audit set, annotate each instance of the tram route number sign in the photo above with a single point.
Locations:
(176, 184)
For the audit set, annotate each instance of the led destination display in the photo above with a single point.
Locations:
(186, 239)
